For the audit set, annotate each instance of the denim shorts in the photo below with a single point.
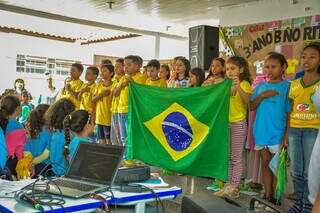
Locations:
(103, 132)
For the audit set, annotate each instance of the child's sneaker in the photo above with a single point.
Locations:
(222, 192)
(233, 192)
(296, 208)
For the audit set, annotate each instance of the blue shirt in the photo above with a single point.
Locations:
(56, 147)
(271, 115)
(3, 150)
(13, 125)
(76, 140)
(37, 145)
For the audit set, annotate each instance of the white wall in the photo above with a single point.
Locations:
(267, 10)
(13, 44)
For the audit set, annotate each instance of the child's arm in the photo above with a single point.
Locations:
(83, 90)
(101, 95)
(236, 87)
(316, 207)
(117, 90)
(73, 93)
(41, 158)
(266, 94)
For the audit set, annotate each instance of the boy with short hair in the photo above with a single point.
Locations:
(102, 100)
(72, 88)
(115, 129)
(153, 69)
(85, 94)
(132, 69)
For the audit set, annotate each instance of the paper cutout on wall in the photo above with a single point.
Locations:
(274, 25)
(255, 28)
(286, 24)
(227, 51)
(315, 21)
(229, 32)
(298, 22)
(238, 43)
(292, 65)
(277, 48)
(287, 51)
(237, 31)
(259, 66)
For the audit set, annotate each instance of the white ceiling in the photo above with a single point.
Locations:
(167, 16)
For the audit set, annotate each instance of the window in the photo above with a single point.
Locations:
(41, 65)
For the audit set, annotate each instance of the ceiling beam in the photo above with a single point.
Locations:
(52, 16)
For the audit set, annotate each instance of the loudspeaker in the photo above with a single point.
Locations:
(208, 203)
(203, 45)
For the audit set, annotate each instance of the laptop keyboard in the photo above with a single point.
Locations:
(75, 185)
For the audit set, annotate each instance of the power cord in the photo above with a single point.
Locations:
(40, 197)
(158, 200)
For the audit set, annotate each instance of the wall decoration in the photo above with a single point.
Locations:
(285, 37)
(274, 25)
(298, 22)
(315, 20)
(286, 24)
(238, 43)
(237, 31)
(229, 32)
(292, 66)
(259, 66)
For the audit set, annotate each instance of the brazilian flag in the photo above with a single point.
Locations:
(183, 130)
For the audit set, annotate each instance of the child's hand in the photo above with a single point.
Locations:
(235, 82)
(269, 93)
(68, 87)
(284, 143)
(86, 89)
(106, 93)
(32, 170)
(209, 81)
(129, 78)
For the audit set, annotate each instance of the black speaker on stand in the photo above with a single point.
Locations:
(203, 45)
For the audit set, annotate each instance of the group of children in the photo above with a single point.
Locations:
(285, 116)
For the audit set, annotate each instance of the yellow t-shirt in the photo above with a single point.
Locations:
(238, 109)
(75, 85)
(86, 98)
(103, 106)
(157, 83)
(124, 94)
(115, 100)
(303, 113)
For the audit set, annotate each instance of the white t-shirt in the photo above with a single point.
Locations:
(49, 96)
(314, 166)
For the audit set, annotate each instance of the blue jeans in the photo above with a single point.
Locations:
(115, 130)
(301, 141)
(123, 125)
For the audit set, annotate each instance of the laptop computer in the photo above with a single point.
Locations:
(93, 168)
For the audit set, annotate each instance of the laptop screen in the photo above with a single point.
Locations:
(95, 162)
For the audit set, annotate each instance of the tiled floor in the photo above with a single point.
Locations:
(194, 185)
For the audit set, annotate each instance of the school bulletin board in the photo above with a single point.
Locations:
(288, 37)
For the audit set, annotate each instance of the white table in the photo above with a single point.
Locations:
(138, 200)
